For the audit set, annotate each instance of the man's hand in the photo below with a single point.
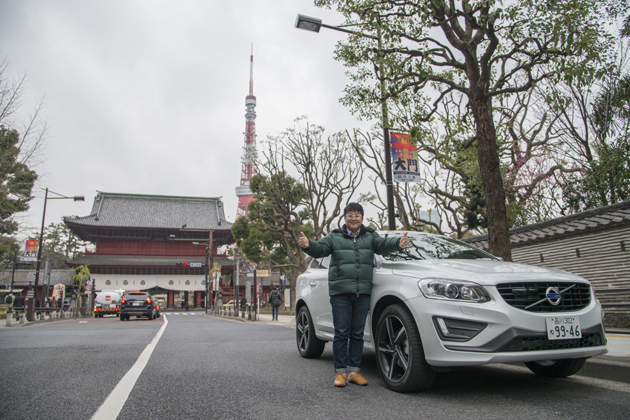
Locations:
(404, 241)
(303, 241)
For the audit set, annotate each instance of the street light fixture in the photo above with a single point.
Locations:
(31, 301)
(313, 24)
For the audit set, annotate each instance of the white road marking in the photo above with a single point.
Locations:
(110, 409)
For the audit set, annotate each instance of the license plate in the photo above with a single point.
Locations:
(137, 303)
(563, 328)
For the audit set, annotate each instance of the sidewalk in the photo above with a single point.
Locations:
(615, 365)
(282, 319)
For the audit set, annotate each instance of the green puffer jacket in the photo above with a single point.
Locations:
(352, 259)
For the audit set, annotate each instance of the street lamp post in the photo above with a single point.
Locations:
(313, 24)
(31, 301)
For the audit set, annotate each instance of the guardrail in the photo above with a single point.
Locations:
(18, 315)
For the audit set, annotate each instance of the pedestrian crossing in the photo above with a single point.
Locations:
(181, 313)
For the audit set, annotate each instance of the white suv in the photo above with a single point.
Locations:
(441, 303)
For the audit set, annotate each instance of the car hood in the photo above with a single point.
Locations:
(479, 271)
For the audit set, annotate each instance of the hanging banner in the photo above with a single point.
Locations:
(404, 158)
(30, 250)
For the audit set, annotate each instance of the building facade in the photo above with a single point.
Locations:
(155, 243)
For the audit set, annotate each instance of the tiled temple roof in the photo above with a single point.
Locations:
(154, 211)
(601, 218)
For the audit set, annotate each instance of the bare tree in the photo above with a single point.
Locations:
(481, 50)
(21, 147)
(328, 168)
(33, 128)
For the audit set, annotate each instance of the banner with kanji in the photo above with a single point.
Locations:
(30, 250)
(404, 158)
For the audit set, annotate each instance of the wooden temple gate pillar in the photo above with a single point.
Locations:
(171, 299)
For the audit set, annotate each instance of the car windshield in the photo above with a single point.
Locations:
(437, 248)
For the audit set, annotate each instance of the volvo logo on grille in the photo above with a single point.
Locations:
(553, 295)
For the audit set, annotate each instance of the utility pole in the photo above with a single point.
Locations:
(236, 299)
(15, 258)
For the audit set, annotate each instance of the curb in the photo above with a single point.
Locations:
(610, 368)
(27, 323)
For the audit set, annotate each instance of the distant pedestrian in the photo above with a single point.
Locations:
(47, 306)
(243, 303)
(275, 300)
(18, 303)
(53, 304)
(38, 304)
(9, 301)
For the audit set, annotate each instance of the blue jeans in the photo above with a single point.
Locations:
(274, 312)
(349, 313)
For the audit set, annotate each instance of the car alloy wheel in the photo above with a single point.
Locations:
(308, 344)
(556, 368)
(400, 356)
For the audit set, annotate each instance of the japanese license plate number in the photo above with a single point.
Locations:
(563, 328)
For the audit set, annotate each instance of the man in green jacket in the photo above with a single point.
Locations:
(352, 250)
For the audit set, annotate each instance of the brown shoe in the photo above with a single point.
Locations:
(340, 379)
(357, 378)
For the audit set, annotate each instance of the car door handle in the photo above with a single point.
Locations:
(313, 284)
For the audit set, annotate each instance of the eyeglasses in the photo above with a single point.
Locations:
(353, 216)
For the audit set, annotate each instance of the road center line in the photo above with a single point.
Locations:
(114, 402)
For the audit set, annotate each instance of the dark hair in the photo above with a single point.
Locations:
(353, 207)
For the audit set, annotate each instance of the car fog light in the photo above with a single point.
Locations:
(443, 326)
(452, 329)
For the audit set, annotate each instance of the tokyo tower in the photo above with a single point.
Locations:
(248, 170)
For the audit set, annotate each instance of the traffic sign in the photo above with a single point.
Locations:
(195, 264)
(88, 287)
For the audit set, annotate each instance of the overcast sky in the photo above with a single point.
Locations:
(148, 96)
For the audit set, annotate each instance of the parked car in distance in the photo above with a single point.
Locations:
(230, 304)
(440, 304)
(137, 304)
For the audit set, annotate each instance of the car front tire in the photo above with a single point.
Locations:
(399, 352)
(308, 344)
(556, 368)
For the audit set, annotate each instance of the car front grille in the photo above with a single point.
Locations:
(532, 296)
(542, 343)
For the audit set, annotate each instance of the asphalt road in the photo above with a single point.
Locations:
(215, 368)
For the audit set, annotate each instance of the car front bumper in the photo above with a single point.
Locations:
(509, 335)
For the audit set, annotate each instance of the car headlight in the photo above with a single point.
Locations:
(457, 290)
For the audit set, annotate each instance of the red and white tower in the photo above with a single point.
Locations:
(248, 170)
